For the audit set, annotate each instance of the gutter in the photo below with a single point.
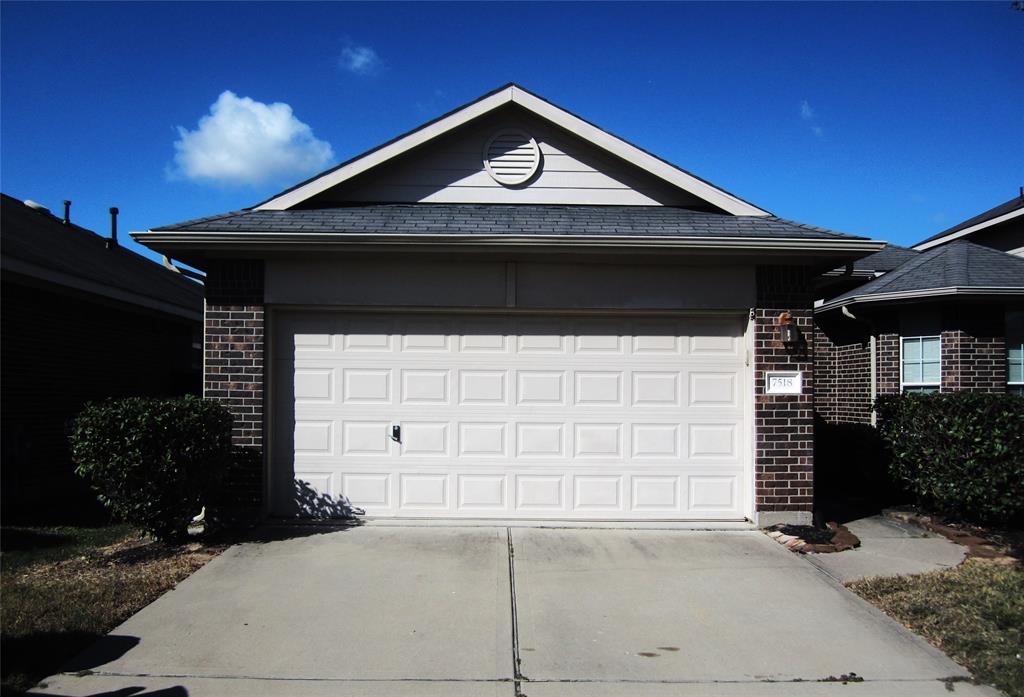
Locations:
(175, 239)
(842, 303)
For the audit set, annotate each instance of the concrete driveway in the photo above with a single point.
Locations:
(390, 610)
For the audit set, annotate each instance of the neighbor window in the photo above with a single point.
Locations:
(921, 364)
(1015, 352)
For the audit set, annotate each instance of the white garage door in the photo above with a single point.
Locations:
(513, 416)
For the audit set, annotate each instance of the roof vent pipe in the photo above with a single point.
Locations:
(67, 212)
(112, 242)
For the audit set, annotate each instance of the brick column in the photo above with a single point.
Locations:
(887, 366)
(783, 424)
(233, 374)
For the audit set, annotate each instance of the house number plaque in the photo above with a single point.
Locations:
(788, 382)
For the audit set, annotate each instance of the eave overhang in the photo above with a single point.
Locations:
(918, 295)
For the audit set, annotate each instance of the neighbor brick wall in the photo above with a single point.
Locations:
(973, 363)
(784, 424)
(234, 372)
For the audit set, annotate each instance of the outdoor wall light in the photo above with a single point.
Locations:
(789, 333)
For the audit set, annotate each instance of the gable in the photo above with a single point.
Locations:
(452, 169)
(443, 162)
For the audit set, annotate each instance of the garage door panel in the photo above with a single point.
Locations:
(622, 418)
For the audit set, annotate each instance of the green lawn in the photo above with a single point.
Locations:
(974, 613)
(64, 587)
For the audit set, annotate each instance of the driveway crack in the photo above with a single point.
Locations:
(518, 677)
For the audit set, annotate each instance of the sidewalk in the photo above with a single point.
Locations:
(889, 548)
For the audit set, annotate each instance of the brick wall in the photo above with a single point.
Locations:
(973, 363)
(888, 367)
(784, 424)
(842, 367)
(233, 366)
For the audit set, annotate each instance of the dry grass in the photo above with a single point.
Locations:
(974, 613)
(59, 598)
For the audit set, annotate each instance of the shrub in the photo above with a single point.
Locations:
(961, 454)
(153, 461)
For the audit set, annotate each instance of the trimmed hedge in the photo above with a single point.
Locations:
(154, 462)
(960, 453)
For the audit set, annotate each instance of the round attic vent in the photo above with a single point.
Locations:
(511, 157)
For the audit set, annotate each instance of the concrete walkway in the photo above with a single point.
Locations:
(889, 548)
(376, 611)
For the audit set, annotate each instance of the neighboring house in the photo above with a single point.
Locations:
(511, 313)
(946, 316)
(82, 319)
(1000, 228)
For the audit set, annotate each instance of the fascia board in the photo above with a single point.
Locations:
(918, 294)
(286, 240)
(381, 155)
(970, 230)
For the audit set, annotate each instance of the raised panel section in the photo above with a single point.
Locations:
(369, 336)
(320, 482)
(651, 493)
(540, 336)
(314, 342)
(597, 492)
(423, 491)
(482, 439)
(481, 491)
(598, 343)
(314, 385)
(713, 441)
(655, 440)
(365, 438)
(314, 437)
(598, 440)
(655, 389)
(428, 439)
(425, 336)
(715, 338)
(482, 387)
(539, 440)
(713, 390)
(536, 387)
(424, 386)
(712, 493)
(599, 389)
(372, 490)
(367, 386)
(539, 492)
(479, 342)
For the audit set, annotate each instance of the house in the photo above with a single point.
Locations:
(82, 319)
(509, 312)
(947, 315)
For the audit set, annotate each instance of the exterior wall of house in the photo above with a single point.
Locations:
(842, 366)
(974, 350)
(234, 374)
(783, 424)
(62, 349)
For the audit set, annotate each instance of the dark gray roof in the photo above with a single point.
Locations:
(45, 241)
(888, 259)
(959, 264)
(496, 219)
(1013, 204)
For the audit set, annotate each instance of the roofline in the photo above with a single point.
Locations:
(928, 244)
(918, 294)
(180, 240)
(28, 269)
(509, 94)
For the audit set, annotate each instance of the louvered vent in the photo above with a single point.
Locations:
(511, 157)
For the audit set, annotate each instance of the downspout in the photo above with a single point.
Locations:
(873, 362)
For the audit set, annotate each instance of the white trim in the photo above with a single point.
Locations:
(24, 268)
(969, 230)
(294, 240)
(539, 107)
(917, 294)
(936, 385)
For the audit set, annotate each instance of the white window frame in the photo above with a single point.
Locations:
(915, 386)
(1013, 387)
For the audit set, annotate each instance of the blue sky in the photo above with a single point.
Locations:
(890, 120)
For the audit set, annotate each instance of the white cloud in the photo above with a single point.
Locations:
(811, 117)
(242, 141)
(361, 60)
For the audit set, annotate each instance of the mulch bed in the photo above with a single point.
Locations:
(807, 538)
